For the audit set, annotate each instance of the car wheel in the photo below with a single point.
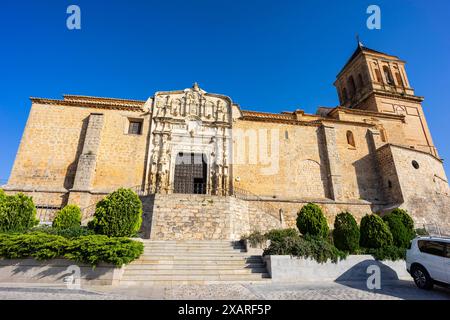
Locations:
(421, 278)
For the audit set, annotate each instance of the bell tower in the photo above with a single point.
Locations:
(375, 81)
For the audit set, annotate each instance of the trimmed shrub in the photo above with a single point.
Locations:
(407, 221)
(280, 234)
(68, 217)
(422, 232)
(255, 238)
(17, 213)
(374, 233)
(92, 249)
(392, 253)
(314, 247)
(346, 232)
(400, 234)
(310, 220)
(118, 215)
(98, 248)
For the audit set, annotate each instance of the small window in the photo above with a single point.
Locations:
(383, 135)
(435, 248)
(388, 75)
(344, 95)
(389, 184)
(360, 80)
(350, 139)
(378, 75)
(351, 86)
(415, 164)
(399, 79)
(286, 135)
(135, 127)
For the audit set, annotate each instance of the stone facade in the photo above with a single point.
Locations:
(251, 170)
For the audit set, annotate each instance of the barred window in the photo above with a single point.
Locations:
(135, 127)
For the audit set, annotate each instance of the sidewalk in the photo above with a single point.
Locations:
(395, 290)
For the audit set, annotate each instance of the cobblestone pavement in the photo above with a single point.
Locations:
(397, 290)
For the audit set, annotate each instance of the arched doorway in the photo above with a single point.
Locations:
(190, 173)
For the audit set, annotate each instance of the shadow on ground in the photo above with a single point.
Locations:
(390, 283)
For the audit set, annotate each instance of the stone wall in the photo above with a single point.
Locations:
(424, 189)
(69, 147)
(202, 217)
(306, 162)
(187, 216)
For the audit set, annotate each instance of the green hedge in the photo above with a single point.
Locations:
(255, 238)
(374, 232)
(73, 232)
(36, 245)
(392, 253)
(17, 213)
(118, 215)
(68, 217)
(346, 232)
(280, 234)
(311, 221)
(312, 247)
(99, 248)
(91, 249)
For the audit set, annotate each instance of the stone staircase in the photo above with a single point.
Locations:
(193, 262)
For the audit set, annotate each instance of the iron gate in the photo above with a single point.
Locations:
(190, 173)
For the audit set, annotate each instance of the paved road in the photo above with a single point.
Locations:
(302, 291)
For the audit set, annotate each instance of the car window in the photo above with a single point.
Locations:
(435, 248)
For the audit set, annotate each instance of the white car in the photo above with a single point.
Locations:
(428, 261)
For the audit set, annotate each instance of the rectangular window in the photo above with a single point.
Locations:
(135, 127)
(378, 75)
(435, 248)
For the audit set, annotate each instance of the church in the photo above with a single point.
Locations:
(207, 168)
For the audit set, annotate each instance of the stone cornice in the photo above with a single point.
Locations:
(398, 96)
(287, 118)
(410, 149)
(368, 113)
(91, 102)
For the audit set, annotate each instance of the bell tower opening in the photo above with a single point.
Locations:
(190, 173)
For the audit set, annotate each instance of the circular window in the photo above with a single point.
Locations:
(415, 164)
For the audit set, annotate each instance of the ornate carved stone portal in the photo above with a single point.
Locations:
(190, 122)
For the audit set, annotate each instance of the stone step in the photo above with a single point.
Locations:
(210, 257)
(200, 277)
(199, 266)
(190, 248)
(192, 271)
(196, 253)
(193, 262)
(152, 283)
(181, 246)
(229, 242)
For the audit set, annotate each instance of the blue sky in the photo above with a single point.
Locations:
(266, 55)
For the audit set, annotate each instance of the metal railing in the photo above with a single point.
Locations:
(250, 196)
(46, 213)
(433, 229)
(143, 189)
(87, 213)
